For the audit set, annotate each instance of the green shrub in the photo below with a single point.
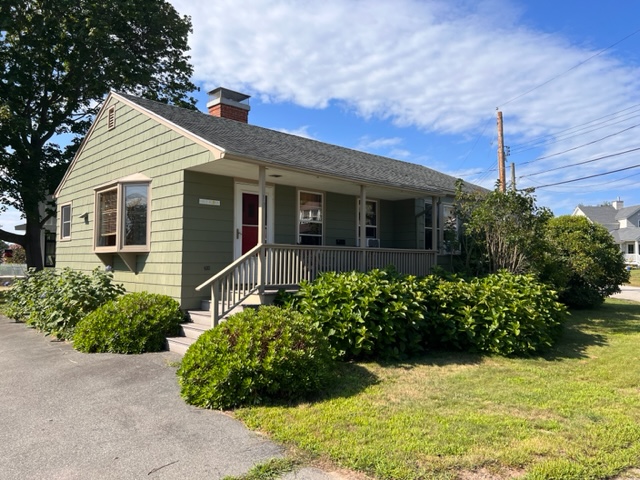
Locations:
(255, 356)
(381, 315)
(502, 313)
(585, 263)
(55, 301)
(377, 314)
(133, 323)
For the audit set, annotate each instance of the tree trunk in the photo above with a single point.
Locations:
(33, 245)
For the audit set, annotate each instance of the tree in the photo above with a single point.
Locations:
(501, 230)
(58, 60)
(590, 264)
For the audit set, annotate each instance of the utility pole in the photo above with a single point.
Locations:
(502, 183)
(513, 176)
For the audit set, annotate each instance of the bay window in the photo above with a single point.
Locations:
(122, 217)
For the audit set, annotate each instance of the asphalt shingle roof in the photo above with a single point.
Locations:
(300, 153)
(604, 215)
(629, 234)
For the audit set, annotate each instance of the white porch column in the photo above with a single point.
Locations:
(262, 191)
(363, 226)
(262, 188)
(635, 250)
(434, 222)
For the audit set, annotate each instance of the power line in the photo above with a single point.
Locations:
(575, 134)
(569, 70)
(579, 146)
(594, 185)
(590, 176)
(581, 163)
(535, 139)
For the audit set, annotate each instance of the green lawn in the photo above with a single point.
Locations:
(635, 277)
(572, 414)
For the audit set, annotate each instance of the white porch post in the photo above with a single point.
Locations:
(434, 223)
(635, 250)
(363, 227)
(262, 190)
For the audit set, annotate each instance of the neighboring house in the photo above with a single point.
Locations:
(172, 199)
(622, 222)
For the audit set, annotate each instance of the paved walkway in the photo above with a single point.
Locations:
(67, 415)
(628, 293)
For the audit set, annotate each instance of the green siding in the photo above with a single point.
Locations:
(138, 144)
(208, 237)
(340, 219)
(386, 224)
(285, 204)
(404, 224)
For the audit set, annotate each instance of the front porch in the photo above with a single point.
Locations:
(273, 266)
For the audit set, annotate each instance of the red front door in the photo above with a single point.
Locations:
(249, 221)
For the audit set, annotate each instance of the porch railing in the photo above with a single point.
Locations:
(631, 258)
(275, 265)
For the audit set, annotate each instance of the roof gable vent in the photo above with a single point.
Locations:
(226, 103)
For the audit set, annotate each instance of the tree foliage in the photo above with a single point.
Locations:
(590, 264)
(57, 61)
(502, 230)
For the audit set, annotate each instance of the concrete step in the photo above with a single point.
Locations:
(200, 317)
(193, 330)
(179, 345)
(201, 321)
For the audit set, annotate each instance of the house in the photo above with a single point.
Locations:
(206, 206)
(622, 222)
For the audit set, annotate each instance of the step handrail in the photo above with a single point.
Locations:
(232, 266)
(225, 295)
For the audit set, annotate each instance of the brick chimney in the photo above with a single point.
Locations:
(226, 103)
(617, 204)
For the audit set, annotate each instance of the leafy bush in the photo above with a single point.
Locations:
(133, 323)
(503, 314)
(253, 357)
(587, 264)
(378, 314)
(54, 302)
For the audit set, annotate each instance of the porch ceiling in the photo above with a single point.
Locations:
(309, 181)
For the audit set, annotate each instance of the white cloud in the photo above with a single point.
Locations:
(302, 131)
(440, 66)
(372, 144)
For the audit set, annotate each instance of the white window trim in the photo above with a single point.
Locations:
(377, 225)
(62, 237)
(322, 200)
(119, 186)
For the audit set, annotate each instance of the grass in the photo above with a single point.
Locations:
(269, 470)
(572, 414)
(635, 277)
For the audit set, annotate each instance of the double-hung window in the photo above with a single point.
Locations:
(310, 217)
(122, 217)
(65, 222)
(371, 222)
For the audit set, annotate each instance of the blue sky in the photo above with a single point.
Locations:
(420, 81)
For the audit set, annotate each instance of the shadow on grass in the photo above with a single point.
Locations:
(583, 329)
(586, 328)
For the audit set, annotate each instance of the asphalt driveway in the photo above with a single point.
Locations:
(68, 415)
